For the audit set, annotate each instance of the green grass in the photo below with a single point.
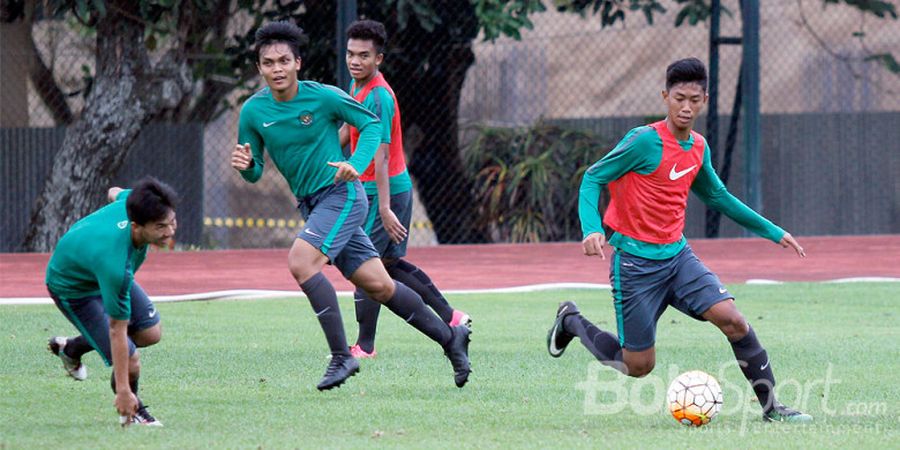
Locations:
(242, 374)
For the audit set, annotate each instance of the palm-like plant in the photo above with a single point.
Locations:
(526, 180)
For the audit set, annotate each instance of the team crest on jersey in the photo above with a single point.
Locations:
(305, 118)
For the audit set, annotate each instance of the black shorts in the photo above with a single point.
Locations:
(401, 205)
(90, 318)
(643, 289)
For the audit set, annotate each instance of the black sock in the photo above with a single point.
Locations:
(367, 316)
(323, 300)
(133, 382)
(602, 344)
(410, 307)
(754, 362)
(77, 346)
(417, 280)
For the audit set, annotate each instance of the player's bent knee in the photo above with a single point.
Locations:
(639, 365)
(148, 337)
(641, 370)
(735, 326)
(381, 291)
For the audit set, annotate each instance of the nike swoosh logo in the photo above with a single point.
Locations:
(553, 350)
(310, 232)
(269, 124)
(722, 290)
(764, 365)
(152, 313)
(674, 175)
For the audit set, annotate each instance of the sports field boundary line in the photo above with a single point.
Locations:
(245, 294)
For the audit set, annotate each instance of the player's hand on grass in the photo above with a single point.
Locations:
(789, 241)
(241, 157)
(392, 225)
(126, 405)
(345, 172)
(593, 245)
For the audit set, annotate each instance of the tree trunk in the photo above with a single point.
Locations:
(428, 76)
(127, 92)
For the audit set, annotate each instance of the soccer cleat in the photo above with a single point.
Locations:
(457, 351)
(460, 318)
(339, 369)
(781, 413)
(143, 417)
(73, 367)
(557, 337)
(357, 352)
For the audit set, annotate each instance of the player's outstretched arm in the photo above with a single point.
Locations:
(593, 245)
(789, 241)
(126, 402)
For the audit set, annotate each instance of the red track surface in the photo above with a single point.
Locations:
(488, 266)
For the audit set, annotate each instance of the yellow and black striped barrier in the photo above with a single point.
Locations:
(261, 222)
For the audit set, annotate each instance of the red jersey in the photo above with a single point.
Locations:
(651, 207)
(397, 160)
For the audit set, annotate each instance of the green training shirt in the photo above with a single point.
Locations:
(97, 257)
(641, 151)
(301, 135)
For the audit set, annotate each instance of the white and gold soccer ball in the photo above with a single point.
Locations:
(694, 398)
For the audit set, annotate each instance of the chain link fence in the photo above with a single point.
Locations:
(498, 133)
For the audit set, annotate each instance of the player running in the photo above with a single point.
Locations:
(297, 123)
(91, 280)
(649, 174)
(387, 185)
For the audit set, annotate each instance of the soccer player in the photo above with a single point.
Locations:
(297, 122)
(649, 174)
(91, 280)
(387, 185)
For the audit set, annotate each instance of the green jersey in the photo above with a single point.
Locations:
(301, 135)
(641, 152)
(97, 257)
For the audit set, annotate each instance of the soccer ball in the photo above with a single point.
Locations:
(694, 398)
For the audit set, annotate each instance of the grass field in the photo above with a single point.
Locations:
(242, 374)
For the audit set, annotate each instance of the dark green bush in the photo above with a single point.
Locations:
(526, 180)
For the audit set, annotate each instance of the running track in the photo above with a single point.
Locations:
(468, 267)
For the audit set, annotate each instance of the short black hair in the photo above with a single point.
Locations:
(368, 30)
(150, 200)
(282, 32)
(688, 70)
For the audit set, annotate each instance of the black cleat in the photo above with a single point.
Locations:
(339, 369)
(558, 338)
(143, 417)
(781, 413)
(457, 351)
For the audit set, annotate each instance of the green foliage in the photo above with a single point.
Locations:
(887, 60)
(611, 11)
(879, 8)
(504, 17)
(526, 180)
(695, 12)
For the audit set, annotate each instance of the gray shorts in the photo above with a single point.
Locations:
(644, 288)
(90, 318)
(401, 205)
(334, 217)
